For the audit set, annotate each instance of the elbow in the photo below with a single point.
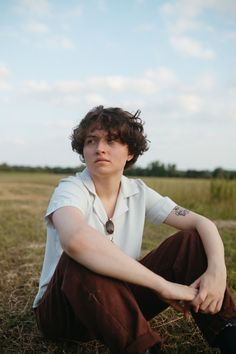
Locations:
(74, 246)
(203, 221)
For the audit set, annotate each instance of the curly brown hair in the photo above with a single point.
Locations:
(127, 127)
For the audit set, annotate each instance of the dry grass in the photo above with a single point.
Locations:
(23, 200)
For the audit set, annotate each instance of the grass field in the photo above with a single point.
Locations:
(23, 200)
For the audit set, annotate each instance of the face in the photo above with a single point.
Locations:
(105, 155)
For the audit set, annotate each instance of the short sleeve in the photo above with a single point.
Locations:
(67, 193)
(157, 207)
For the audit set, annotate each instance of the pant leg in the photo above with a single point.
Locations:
(108, 309)
(80, 304)
(54, 314)
(181, 258)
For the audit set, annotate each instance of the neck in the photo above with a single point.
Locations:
(107, 187)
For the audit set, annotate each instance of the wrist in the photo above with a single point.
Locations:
(161, 286)
(217, 268)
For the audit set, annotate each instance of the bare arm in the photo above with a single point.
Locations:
(213, 282)
(88, 247)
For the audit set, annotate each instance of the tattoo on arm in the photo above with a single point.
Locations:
(180, 211)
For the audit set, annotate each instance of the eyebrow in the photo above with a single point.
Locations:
(90, 136)
(112, 135)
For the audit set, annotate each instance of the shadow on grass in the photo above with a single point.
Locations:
(19, 335)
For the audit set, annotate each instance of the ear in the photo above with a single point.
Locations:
(130, 156)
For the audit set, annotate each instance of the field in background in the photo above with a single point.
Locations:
(23, 200)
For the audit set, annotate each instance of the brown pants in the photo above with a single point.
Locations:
(80, 304)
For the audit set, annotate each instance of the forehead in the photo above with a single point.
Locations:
(96, 134)
(100, 132)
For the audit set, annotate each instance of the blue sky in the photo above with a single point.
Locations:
(174, 60)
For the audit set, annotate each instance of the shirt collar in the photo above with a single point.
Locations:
(128, 188)
(87, 181)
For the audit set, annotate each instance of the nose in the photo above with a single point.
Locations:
(101, 146)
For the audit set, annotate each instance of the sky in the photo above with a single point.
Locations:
(173, 60)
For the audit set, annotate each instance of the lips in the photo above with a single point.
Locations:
(102, 160)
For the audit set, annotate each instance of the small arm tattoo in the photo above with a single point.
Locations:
(180, 211)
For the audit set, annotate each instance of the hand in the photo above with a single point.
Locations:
(211, 286)
(178, 296)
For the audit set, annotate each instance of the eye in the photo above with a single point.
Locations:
(112, 139)
(89, 141)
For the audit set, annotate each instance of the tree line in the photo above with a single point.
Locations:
(153, 169)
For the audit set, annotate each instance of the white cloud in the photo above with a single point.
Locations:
(182, 8)
(230, 35)
(121, 83)
(191, 103)
(158, 90)
(227, 6)
(66, 43)
(205, 82)
(75, 11)
(69, 86)
(183, 15)
(38, 86)
(153, 83)
(95, 99)
(162, 76)
(60, 42)
(36, 27)
(94, 90)
(5, 86)
(38, 8)
(146, 27)
(4, 71)
(184, 25)
(101, 5)
(193, 8)
(4, 74)
(192, 47)
(14, 141)
(59, 124)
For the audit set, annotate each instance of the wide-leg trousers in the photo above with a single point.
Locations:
(82, 305)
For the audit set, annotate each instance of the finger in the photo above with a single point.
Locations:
(178, 306)
(206, 304)
(196, 308)
(199, 299)
(183, 307)
(195, 284)
(211, 309)
(219, 305)
(187, 313)
(216, 308)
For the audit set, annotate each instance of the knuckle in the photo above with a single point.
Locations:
(201, 297)
(202, 308)
(212, 311)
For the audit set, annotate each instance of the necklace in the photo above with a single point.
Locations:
(109, 227)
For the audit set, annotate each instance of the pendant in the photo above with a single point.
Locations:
(109, 226)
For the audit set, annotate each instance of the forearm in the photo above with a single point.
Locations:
(93, 250)
(212, 243)
(96, 253)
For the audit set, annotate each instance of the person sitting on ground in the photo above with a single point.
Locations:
(93, 284)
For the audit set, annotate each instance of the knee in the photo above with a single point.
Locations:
(190, 235)
(189, 242)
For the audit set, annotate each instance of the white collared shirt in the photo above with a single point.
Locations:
(135, 202)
